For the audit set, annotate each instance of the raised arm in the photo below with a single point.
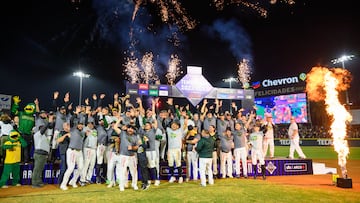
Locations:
(117, 124)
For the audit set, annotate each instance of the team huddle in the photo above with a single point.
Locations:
(124, 138)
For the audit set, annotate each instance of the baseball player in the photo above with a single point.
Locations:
(213, 134)
(205, 148)
(74, 153)
(269, 130)
(175, 137)
(293, 133)
(129, 144)
(191, 139)
(90, 146)
(255, 141)
(226, 144)
(240, 146)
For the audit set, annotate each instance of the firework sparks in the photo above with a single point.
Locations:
(170, 11)
(220, 4)
(132, 70)
(244, 72)
(136, 8)
(174, 69)
(148, 73)
(325, 84)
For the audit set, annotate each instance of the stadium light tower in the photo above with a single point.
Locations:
(230, 80)
(342, 60)
(81, 75)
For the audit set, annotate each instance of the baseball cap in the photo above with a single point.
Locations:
(42, 111)
(190, 127)
(176, 121)
(131, 126)
(62, 107)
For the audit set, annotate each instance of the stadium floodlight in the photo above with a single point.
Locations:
(342, 60)
(230, 80)
(81, 75)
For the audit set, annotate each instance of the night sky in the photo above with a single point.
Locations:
(43, 42)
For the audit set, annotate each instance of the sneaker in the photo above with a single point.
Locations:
(231, 177)
(89, 182)
(126, 184)
(172, 179)
(82, 184)
(245, 177)
(145, 186)
(237, 176)
(135, 187)
(107, 182)
(157, 182)
(303, 157)
(5, 186)
(111, 184)
(74, 185)
(149, 182)
(202, 185)
(181, 180)
(195, 179)
(18, 185)
(98, 180)
(187, 179)
(64, 187)
(264, 177)
(121, 189)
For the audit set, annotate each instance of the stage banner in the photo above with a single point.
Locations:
(274, 167)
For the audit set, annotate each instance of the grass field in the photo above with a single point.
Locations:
(274, 189)
(315, 152)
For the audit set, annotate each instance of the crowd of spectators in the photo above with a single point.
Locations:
(306, 130)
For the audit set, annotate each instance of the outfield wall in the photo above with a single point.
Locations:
(353, 142)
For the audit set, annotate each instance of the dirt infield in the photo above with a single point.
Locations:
(306, 181)
(322, 181)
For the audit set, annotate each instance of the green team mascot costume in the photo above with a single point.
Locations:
(26, 124)
(12, 159)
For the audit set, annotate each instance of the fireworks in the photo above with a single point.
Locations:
(325, 84)
(220, 4)
(145, 74)
(132, 70)
(170, 11)
(174, 69)
(244, 72)
(148, 73)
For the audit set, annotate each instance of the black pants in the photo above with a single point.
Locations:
(144, 170)
(27, 150)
